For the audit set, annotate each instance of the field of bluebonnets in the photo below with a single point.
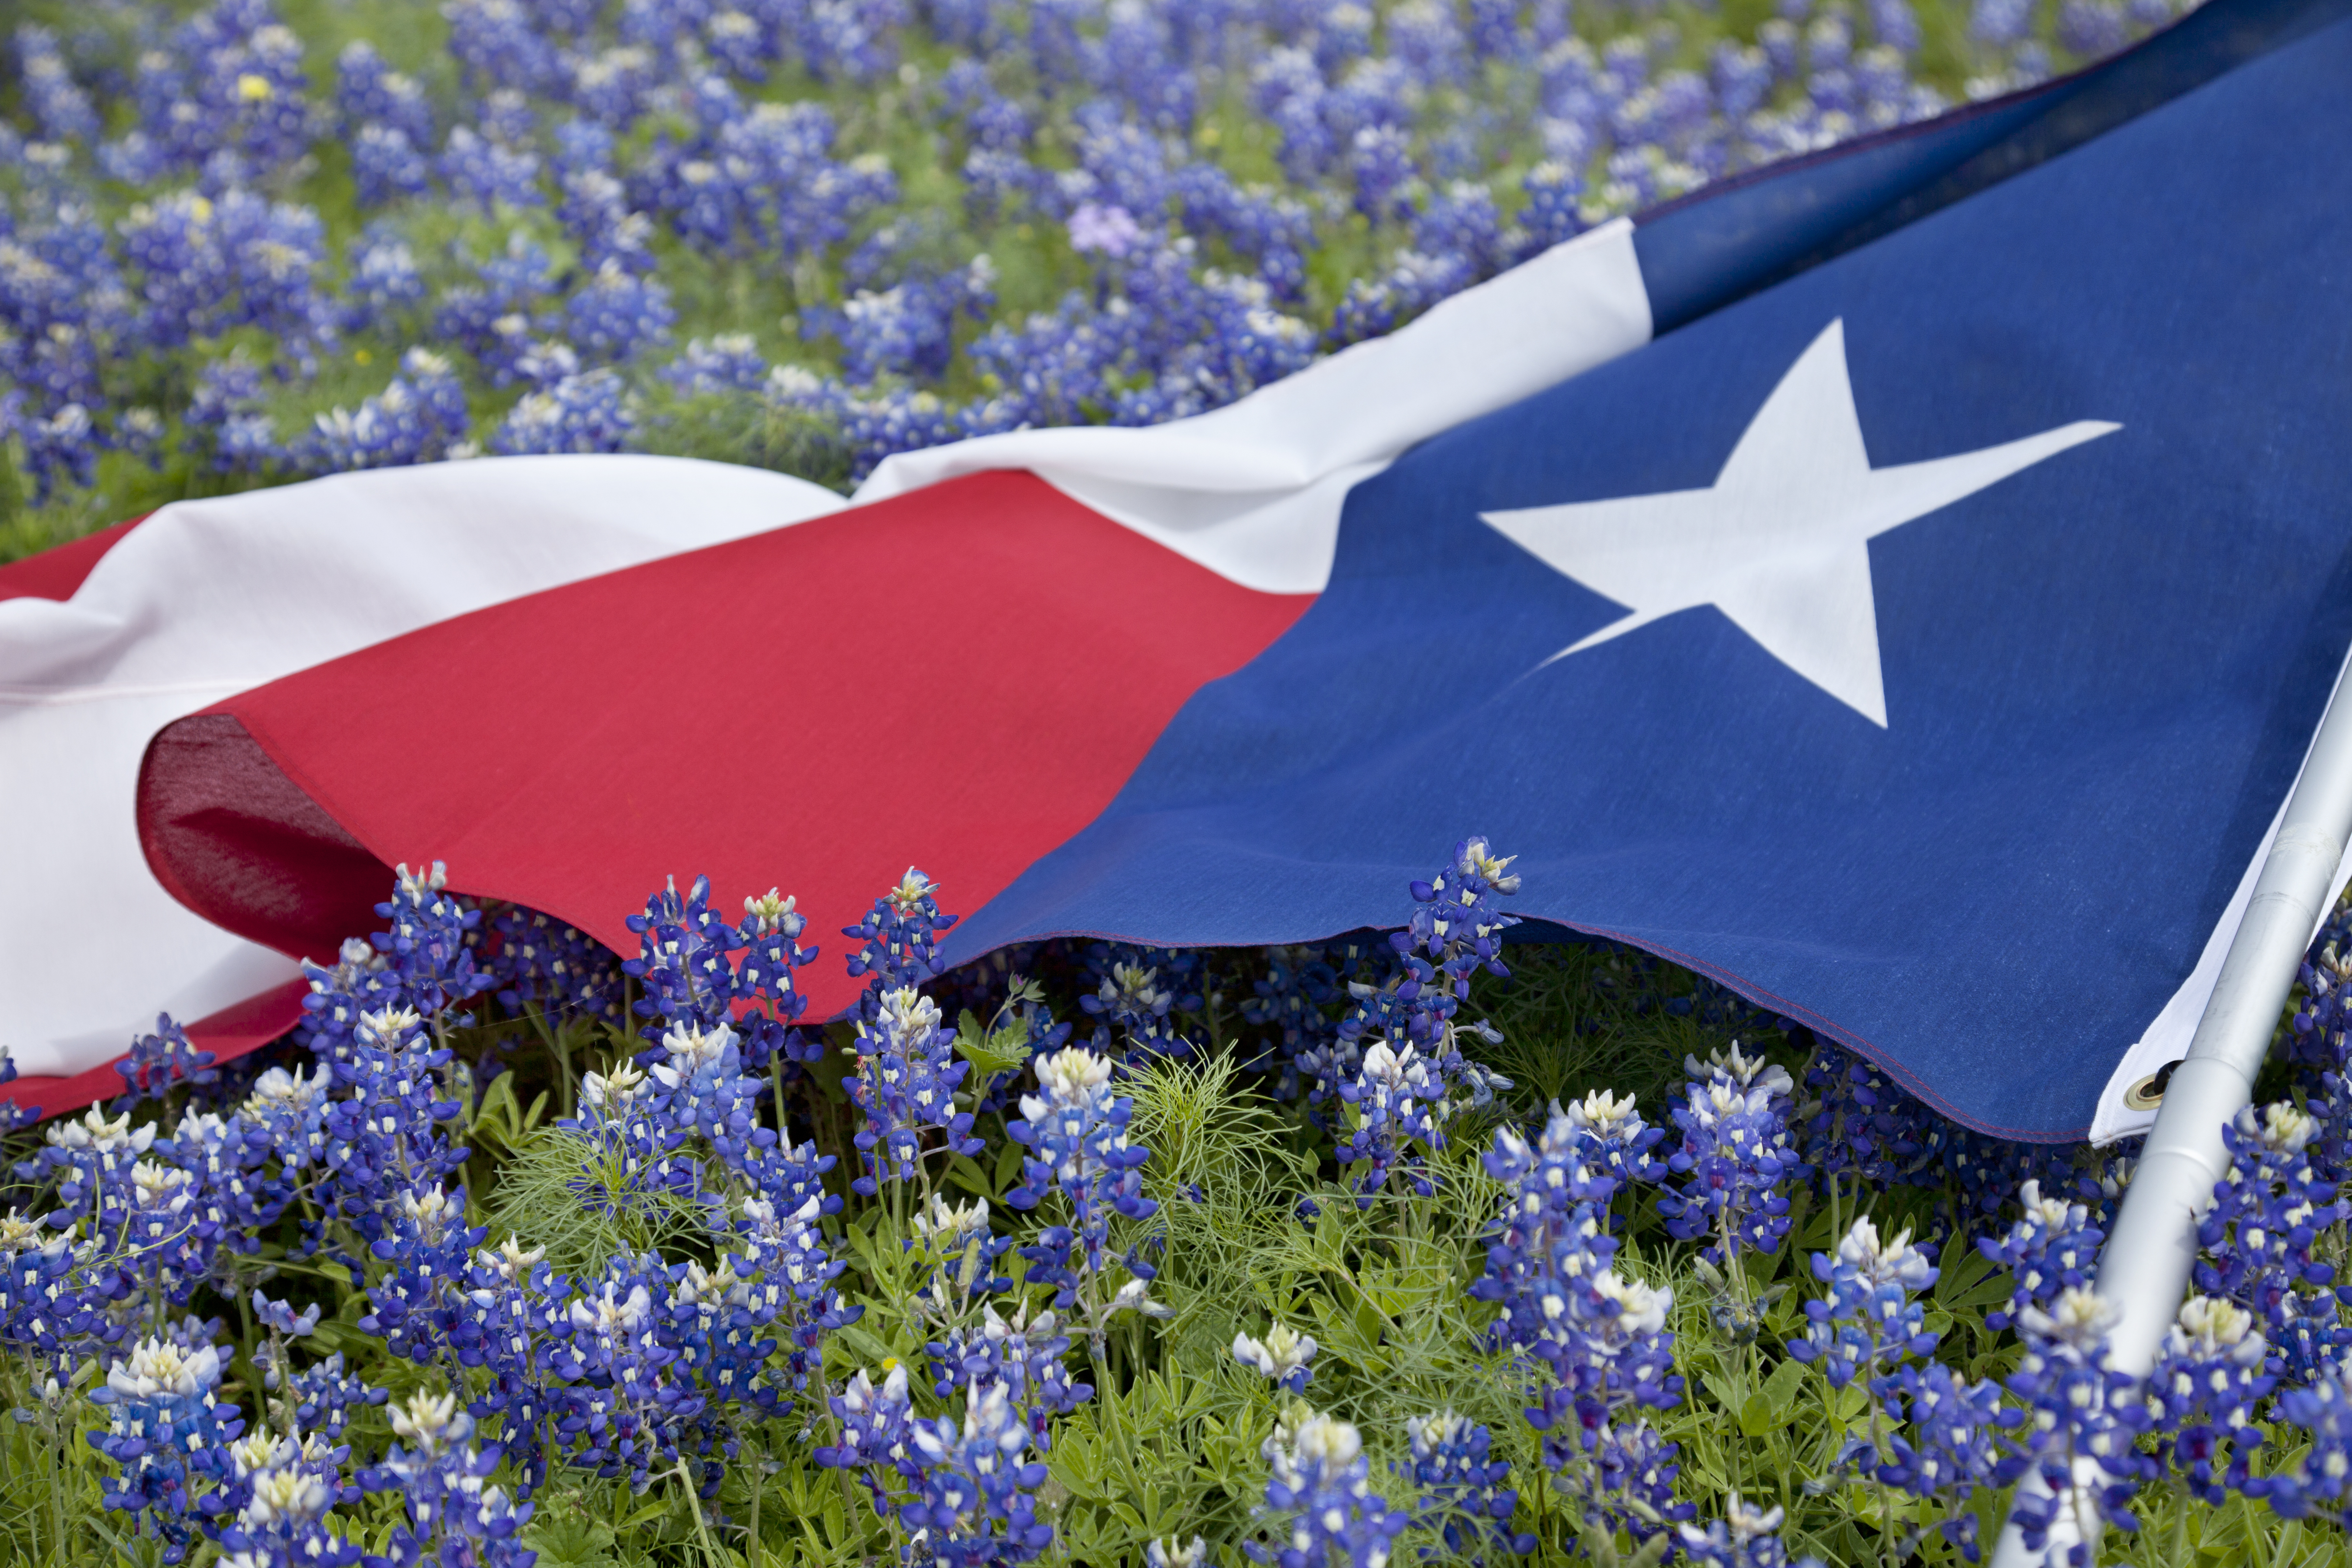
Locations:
(1356, 1253)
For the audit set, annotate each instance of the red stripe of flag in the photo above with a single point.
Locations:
(961, 678)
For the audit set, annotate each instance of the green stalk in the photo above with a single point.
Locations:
(701, 1529)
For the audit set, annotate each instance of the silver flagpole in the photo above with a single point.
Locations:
(2144, 1268)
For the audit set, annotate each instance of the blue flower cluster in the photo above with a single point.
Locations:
(1194, 198)
(1597, 1344)
(805, 1237)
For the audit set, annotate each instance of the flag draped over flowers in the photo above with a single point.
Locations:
(1869, 582)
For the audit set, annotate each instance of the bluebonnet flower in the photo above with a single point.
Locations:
(954, 1253)
(279, 1317)
(1864, 1129)
(1173, 1552)
(504, 1321)
(64, 444)
(1461, 220)
(614, 314)
(2053, 1247)
(901, 934)
(1548, 1237)
(490, 173)
(875, 1421)
(907, 330)
(167, 1433)
(2320, 1482)
(2080, 1409)
(158, 1063)
(207, 263)
(1462, 1492)
(359, 982)
(1110, 230)
(591, 412)
(323, 1397)
(420, 416)
(770, 936)
(1412, 283)
(235, 1197)
(1290, 997)
(595, 211)
(368, 91)
(1612, 1139)
(1743, 1538)
(1736, 1154)
(426, 1242)
(698, 1083)
(383, 1143)
(387, 165)
(1871, 1319)
(91, 1160)
(426, 946)
(1397, 1096)
(543, 963)
(1025, 1354)
(1600, 1339)
(279, 1499)
(1282, 1358)
(974, 1501)
(1076, 1131)
(2208, 1377)
(2260, 1235)
(1984, 1174)
(1554, 190)
(727, 363)
(628, 1399)
(896, 420)
(450, 1514)
(905, 1084)
(1131, 1000)
(684, 959)
(57, 103)
(1629, 1482)
(1952, 1444)
(45, 1311)
(1869, 1329)
(1320, 1506)
(723, 1321)
(495, 40)
(382, 282)
(640, 1151)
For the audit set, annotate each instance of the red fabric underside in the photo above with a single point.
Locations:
(959, 678)
(57, 570)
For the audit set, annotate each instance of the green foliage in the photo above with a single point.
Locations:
(1253, 1227)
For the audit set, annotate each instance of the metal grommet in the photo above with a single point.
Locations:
(2148, 1093)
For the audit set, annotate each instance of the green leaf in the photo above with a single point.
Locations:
(1003, 1051)
(1781, 1388)
(567, 1537)
(871, 1348)
(1758, 1416)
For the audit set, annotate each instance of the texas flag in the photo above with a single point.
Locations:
(1901, 585)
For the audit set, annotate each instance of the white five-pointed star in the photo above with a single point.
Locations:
(1780, 543)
